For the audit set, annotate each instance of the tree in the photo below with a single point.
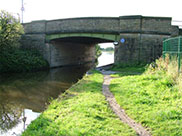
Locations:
(98, 51)
(10, 30)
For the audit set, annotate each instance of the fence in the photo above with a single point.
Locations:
(173, 47)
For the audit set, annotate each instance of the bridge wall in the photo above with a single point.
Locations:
(62, 54)
(143, 37)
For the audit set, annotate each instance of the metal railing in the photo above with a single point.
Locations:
(173, 47)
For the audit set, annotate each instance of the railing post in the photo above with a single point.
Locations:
(179, 55)
(163, 52)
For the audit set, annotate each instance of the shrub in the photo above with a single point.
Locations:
(169, 66)
(13, 59)
(17, 60)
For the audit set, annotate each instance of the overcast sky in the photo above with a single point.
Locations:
(56, 9)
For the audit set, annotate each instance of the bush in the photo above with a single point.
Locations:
(17, 60)
(169, 67)
(13, 59)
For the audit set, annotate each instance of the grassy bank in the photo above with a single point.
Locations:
(18, 60)
(81, 110)
(150, 95)
(152, 98)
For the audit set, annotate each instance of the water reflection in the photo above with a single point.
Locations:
(106, 58)
(24, 96)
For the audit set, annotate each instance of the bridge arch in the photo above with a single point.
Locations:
(76, 48)
(105, 37)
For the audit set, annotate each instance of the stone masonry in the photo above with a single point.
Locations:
(142, 36)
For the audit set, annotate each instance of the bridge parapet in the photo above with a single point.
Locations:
(35, 27)
(146, 25)
(88, 25)
(115, 25)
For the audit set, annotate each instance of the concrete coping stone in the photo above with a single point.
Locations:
(117, 18)
(144, 17)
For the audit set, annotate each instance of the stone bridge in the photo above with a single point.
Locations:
(72, 41)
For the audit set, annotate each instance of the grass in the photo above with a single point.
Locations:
(150, 95)
(129, 69)
(80, 111)
(152, 99)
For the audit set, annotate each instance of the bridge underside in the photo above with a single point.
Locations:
(73, 50)
(84, 40)
(94, 37)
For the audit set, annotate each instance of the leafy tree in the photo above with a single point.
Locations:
(98, 51)
(10, 30)
(13, 58)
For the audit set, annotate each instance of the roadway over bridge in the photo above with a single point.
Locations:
(72, 41)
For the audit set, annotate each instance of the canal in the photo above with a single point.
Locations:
(24, 96)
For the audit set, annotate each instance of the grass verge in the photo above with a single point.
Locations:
(81, 110)
(152, 99)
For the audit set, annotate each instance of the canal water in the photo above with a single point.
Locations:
(106, 58)
(24, 96)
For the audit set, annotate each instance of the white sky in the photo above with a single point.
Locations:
(57, 9)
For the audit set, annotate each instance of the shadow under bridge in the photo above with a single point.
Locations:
(75, 48)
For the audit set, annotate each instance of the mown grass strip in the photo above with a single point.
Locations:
(80, 111)
(151, 99)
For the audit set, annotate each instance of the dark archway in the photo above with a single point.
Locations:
(74, 50)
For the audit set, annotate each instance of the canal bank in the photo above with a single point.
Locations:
(23, 96)
(81, 110)
(149, 97)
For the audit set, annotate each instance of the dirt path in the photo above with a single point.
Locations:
(117, 109)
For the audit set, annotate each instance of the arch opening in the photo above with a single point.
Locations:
(74, 50)
(107, 56)
(81, 39)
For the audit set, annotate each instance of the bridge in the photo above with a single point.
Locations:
(72, 41)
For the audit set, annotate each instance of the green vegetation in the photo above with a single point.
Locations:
(98, 51)
(107, 49)
(10, 30)
(151, 95)
(129, 66)
(129, 70)
(80, 111)
(12, 58)
(153, 98)
(18, 60)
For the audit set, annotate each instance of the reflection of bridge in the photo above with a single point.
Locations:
(71, 41)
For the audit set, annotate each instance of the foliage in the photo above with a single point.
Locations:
(107, 49)
(135, 67)
(151, 98)
(10, 30)
(98, 51)
(13, 59)
(139, 69)
(168, 66)
(80, 111)
(17, 60)
(10, 115)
